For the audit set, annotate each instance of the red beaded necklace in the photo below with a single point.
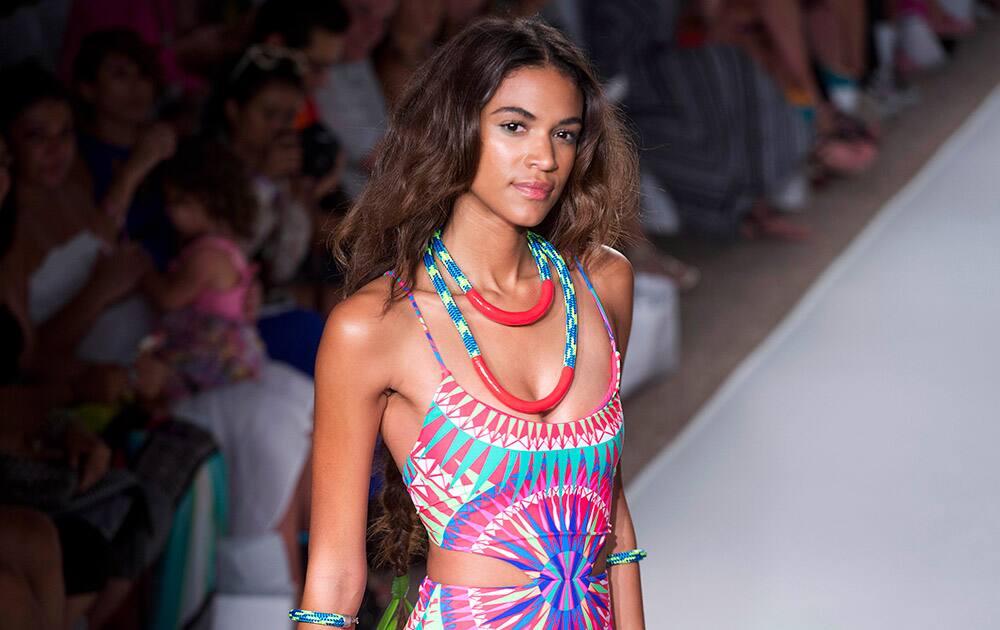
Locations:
(472, 348)
(484, 306)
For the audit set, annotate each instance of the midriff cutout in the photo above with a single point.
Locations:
(464, 568)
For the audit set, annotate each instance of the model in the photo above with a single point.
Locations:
(473, 341)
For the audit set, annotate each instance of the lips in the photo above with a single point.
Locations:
(534, 190)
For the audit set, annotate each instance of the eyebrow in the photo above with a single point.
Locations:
(523, 112)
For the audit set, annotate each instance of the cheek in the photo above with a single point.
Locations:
(566, 157)
(255, 127)
(499, 157)
(30, 158)
(64, 150)
(113, 92)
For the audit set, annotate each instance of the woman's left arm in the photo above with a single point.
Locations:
(626, 587)
(615, 282)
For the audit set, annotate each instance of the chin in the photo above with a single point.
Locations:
(527, 215)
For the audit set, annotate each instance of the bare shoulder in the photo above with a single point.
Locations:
(360, 320)
(613, 278)
(360, 334)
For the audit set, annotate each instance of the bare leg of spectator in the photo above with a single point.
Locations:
(32, 594)
(783, 21)
(837, 35)
(108, 601)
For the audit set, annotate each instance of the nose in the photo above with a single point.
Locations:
(542, 154)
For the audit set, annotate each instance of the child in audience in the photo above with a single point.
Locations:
(206, 334)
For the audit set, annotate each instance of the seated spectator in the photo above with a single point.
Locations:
(254, 111)
(409, 41)
(316, 32)
(71, 292)
(115, 77)
(156, 22)
(63, 242)
(715, 130)
(351, 102)
(774, 33)
(44, 462)
(205, 334)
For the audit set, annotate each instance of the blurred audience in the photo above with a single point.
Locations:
(351, 102)
(409, 41)
(116, 81)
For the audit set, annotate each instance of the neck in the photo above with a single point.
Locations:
(494, 254)
(116, 132)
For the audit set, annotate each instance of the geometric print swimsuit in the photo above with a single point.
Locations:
(532, 494)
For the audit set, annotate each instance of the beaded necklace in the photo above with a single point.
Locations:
(544, 248)
(481, 304)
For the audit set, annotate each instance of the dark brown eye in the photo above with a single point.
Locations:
(569, 136)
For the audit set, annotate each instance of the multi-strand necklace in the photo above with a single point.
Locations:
(481, 304)
(541, 250)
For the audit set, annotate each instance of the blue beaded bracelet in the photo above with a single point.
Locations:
(626, 557)
(322, 618)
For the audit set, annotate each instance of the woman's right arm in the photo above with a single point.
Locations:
(114, 277)
(352, 375)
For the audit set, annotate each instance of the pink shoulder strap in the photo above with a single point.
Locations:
(423, 324)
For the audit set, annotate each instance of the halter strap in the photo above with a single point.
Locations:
(600, 305)
(420, 316)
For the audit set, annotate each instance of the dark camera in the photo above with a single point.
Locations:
(319, 150)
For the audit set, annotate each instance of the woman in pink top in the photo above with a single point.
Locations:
(206, 335)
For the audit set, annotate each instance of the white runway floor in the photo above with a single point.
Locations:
(847, 475)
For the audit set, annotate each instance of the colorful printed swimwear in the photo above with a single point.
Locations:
(532, 494)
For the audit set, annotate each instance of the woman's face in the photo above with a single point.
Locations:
(529, 132)
(187, 214)
(43, 144)
(120, 91)
(368, 24)
(267, 115)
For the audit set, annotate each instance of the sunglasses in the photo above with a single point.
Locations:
(267, 57)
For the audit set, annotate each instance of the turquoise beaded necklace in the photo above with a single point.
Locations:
(481, 304)
(544, 248)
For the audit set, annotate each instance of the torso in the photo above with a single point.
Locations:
(56, 230)
(527, 362)
(47, 219)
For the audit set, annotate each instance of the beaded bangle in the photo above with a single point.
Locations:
(322, 618)
(626, 557)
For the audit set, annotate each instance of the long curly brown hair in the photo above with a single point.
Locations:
(429, 157)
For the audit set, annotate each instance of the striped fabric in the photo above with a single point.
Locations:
(713, 127)
(184, 578)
